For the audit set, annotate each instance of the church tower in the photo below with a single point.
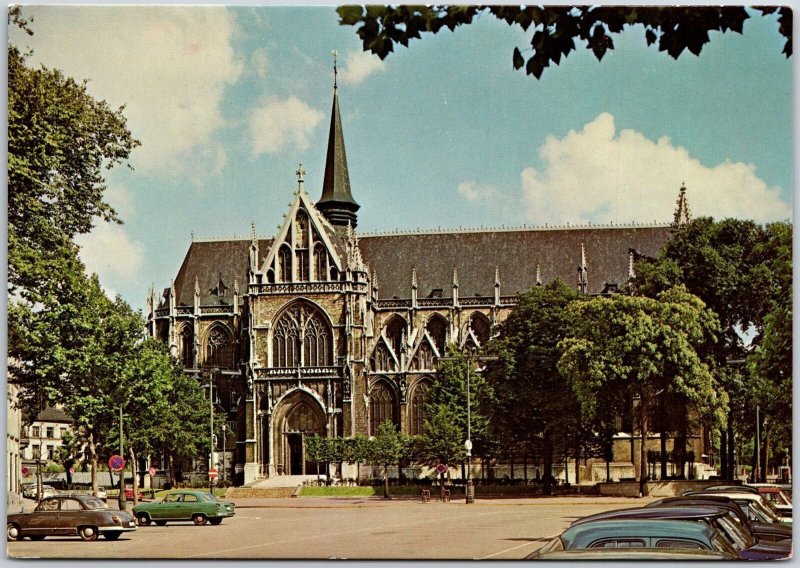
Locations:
(337, 203)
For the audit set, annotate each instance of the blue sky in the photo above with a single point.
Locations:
(227, 101)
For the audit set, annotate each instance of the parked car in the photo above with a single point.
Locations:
(747, 547)
(184, 505)
(31, 491)
(779, 500)
(754, 505)
(592, 555)
(129, 494)
(68, 515)
(639, 533)
(768, 532)
(101, 493)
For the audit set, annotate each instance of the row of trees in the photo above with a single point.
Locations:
(70, 345)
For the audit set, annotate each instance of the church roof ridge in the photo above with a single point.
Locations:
(196, 239)
(507, 229)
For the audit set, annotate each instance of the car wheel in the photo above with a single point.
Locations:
(87, 533)
(216, 521)
(12, 532)
(199, 519)
(37, 537)
(112, 535)
(161, 523)
(142, 519)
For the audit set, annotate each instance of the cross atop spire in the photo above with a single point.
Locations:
(334, 53)
(300, 173)
(681, 217)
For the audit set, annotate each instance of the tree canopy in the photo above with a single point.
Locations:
(555, 29)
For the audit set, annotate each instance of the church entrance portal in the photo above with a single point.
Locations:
(297, 417)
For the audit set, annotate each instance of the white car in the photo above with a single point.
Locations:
(754, 506)
(101, 493)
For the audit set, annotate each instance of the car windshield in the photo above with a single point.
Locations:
(95, 503)
(765, 511)
(209, 497)
(735, 534)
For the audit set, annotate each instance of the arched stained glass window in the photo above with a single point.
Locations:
(187, 346)
(302, 419)
(302, 338)
(219, 348)
(381, 407)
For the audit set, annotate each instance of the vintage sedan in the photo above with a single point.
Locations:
(184, 505)
(67, 515)
(639, 533)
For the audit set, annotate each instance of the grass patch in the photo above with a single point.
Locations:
(356, 491)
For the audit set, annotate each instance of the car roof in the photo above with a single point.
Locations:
(686, 512)
(605, 554)
(633, 528)
(730, 488)
(733, 495)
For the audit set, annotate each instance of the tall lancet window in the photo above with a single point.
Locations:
(301, 240)
(285, 264)
(302, 338)
(381, 406)
(320, 262)
(187, 346)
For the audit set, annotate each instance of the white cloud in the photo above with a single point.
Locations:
(281, 125)
(168, 64)
(259, 63)
(473, 192)
(120, 199)
(109, 252)
(598, 175)
(358, 65)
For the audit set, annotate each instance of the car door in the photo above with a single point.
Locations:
(69, 516)
(191, 505)
(44, 520)
(168, 509)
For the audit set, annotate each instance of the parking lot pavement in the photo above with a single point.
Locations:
(369, 529)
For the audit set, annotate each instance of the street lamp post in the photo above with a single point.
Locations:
(224, 430)
(470, 489)
(211, 438)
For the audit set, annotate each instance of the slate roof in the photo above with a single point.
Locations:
(434, 255)
(50, 414)
(208, 260)
(514, 252)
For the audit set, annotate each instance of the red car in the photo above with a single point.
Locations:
(129, 494)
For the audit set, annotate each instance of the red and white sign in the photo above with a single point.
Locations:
(212, 473)
(72, 470)
(441, 468)
(25, 471)
(116, 463)
(152, 471)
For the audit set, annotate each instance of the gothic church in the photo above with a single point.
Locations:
(319, 329)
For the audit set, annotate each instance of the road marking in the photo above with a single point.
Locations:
(516, 547)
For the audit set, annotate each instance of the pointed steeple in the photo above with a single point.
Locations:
(337, 203)
(681, 217)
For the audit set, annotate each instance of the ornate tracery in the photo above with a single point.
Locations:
(381, 406)
(302, 338)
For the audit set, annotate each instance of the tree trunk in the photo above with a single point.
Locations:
(525, 465)
(547, 478)
(643, 447)
(765, 458)
(723, 452)
(93, 458)
(731, 449)
(441, 486)
(134, 477)
(386, 482)
(577, 464)
(663, 452)
(172, 470)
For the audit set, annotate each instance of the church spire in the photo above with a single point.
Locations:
(337, 203)
(681, 209)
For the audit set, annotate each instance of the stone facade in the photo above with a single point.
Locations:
(321, 330)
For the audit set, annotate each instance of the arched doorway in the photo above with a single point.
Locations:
(298, 416)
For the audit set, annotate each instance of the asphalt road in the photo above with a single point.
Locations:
(369, 529)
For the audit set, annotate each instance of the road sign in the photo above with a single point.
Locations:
(152, 471)
(25, 471)
(441, 468)
(116, 463)
(72, 470)
(212, 473)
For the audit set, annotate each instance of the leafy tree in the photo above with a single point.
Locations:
(386, 449)
(556, 28)
(449, 390)
(441, 441)
(527, 345)
(627, 346)
(742, 271)
(67, 454)
(356, 450)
